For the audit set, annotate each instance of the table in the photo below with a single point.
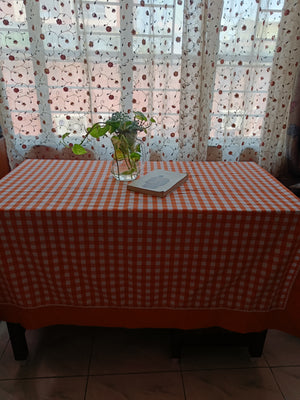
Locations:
(78, 248)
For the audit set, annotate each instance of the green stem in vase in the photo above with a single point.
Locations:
(124, 128)
(116, 159)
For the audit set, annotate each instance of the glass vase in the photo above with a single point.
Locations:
(126, 164)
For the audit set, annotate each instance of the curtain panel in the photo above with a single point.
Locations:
(217, 76)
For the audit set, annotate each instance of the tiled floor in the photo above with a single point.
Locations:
(80, 363)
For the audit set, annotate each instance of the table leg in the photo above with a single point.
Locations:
(176, 343)
(18, 340)
(256, 341)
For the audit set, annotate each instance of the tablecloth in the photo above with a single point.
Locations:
(77, 247)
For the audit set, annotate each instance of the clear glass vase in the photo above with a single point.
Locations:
(126, 164)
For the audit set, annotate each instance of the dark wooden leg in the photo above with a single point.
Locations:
(176, 343)
(256, 341)
(18, 341)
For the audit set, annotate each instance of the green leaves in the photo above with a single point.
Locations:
(135, 156)
(125, 149)
(66, 135)
(78, 149)
(140, 116)
(97, 130)
(125, 129)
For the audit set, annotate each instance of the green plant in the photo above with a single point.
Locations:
(119, 123)
(122, 129)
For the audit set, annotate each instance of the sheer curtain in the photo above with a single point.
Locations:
(216, 75)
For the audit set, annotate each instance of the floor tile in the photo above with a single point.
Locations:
(282, 349)
(152, 386)
(234, 384)
(40, 389)
(53, 351)
(129, 350)
(288, 379)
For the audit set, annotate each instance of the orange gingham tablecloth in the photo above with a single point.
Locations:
(71, 235)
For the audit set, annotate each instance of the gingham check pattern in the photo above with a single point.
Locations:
(72, 235)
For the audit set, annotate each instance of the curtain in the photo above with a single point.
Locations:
(286, 63)
(216, 75)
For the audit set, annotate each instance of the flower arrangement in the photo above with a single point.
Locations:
(123, 129)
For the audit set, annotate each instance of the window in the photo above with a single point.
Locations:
(243, 72)
(67, 64)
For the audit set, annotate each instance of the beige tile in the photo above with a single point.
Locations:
(40, 389)
(288, 379)
(152, 386)
(234, 384)
(210, 357)
(53, 351)
(128, 351)
(282, 349)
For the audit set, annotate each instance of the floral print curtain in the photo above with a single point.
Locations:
(286, 64)
(216, 75)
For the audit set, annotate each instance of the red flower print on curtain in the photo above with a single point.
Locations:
(216, 75)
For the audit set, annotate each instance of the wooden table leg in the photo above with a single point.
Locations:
(256, 341)
(176, 343)
(18, 340)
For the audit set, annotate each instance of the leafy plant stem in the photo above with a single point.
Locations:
(116, 158)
